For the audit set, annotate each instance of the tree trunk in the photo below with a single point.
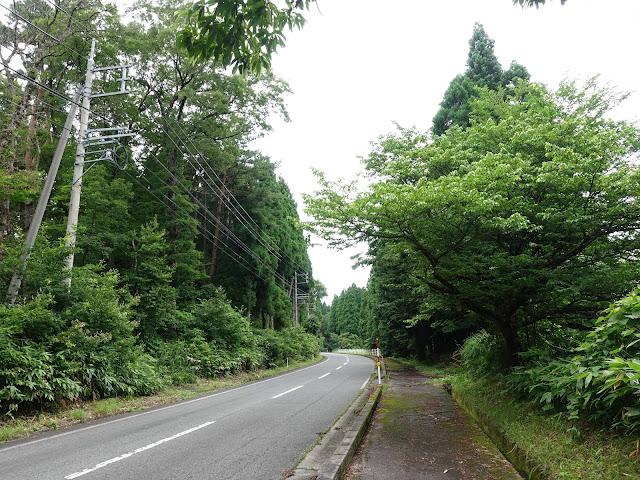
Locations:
(31, 161)
(511, 342)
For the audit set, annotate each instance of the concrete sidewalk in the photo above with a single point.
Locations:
(419, 432)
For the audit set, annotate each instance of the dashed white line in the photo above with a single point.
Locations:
(288, 391)
(322, 376)
(166, 407)
(339, 367)
(138, 450)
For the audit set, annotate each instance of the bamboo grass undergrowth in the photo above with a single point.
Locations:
(85, 411)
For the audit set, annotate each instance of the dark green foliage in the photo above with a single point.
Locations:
(343, 326)
(187, 209)
(239, 33)
(79, 344)
(293, 343)
(530, 215)
(483, 70)
(483, 67)
(455, 108)
(596, 380)
(483, 354)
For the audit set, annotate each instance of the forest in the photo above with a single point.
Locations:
(507, 235)
(189, 258)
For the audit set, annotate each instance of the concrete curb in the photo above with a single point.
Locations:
(329, 459)
(518, 457)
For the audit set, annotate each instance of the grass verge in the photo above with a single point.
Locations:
(81, 412)
(553, 444)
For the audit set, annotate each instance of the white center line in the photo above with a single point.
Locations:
(138, 450)
(322, 376)
(339, 367)
(160, 409)
(288, 391)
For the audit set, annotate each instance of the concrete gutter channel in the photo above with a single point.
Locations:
(329, 459)
(529, 468)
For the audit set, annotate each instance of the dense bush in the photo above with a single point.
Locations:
(83, 343)
(293, 343)
(600, 379)
(483, 354)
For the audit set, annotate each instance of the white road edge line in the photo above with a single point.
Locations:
(322, 376)
(137, 450)
(155, 410)
(364, 384)
(288, 391)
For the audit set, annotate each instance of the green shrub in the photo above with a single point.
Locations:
(600, 380)
(483, 354)
(27, 370)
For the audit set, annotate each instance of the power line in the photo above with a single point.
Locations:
(27, 113)
(71, 19)
(55, 92)
(60, 43)
(266, 243)
(226, 249)
(236, 240)
(242, 216)
(246, 217)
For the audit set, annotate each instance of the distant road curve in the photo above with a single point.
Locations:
(255, 431)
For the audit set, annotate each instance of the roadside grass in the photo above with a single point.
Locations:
(85, 411)
(562, 448)
(439, 374)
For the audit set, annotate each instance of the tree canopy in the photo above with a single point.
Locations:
(188, 241)
(242, 34)
(529, 215)
(483, 70)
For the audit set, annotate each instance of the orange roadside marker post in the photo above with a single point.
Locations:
(378, 354)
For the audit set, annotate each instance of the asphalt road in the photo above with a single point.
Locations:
(255, 431)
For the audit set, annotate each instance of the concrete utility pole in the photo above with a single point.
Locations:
(74, 204)
(30, 239)
(296, 296)
(295, 299)
(103, 139)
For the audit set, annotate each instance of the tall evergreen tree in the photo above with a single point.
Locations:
(483, 70)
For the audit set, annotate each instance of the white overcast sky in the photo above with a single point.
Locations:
(360, 65)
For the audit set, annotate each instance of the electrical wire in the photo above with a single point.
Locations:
(232, 208)
(63, 96)
(60, 43)
(71, 19)
(27, 113)
(236, 240)
(224, 248)
(242, 217)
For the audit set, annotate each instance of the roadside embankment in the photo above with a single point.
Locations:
(544, 446)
